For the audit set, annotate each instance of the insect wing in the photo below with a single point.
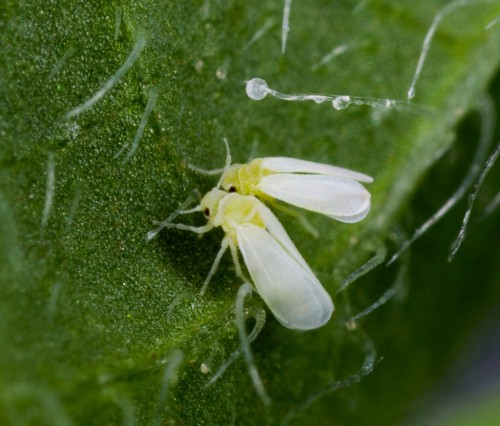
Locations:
(293, 165)
(292, 292)
(343, 199)
(276, 229)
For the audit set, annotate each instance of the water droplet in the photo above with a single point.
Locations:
(390, 103)
(221, 73)
(318, 99)
(341, 102)
(257, 89)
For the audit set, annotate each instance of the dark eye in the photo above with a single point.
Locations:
(206, 212)
(232, 189)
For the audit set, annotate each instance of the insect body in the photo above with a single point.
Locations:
(280, 274)
(332, 191)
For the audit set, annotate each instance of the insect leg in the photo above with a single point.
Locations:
(236, 261)
(215, 265)
(165, 223)
(196, 229)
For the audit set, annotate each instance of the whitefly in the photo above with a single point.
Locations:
(322, 188)
(278, 271)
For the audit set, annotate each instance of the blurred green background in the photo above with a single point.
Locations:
(99, 326)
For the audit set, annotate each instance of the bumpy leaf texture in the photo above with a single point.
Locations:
(103, 106)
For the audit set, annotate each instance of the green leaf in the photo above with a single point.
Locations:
(99, 326)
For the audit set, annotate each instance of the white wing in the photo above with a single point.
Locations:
(292, 292)
(293, 165)
(274, 226)
(343, 199)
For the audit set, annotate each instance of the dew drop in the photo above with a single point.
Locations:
(341, 102)
(390, 103)
(221, 73)
(318, 99)
(257, 89)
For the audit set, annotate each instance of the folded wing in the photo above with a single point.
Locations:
(287, 285)
(293, 165)
(342, 199)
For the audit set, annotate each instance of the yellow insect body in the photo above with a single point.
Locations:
(245, 178)
(228, 212)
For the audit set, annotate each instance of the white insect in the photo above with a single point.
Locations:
(321, 188)
(280, 274)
